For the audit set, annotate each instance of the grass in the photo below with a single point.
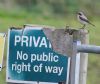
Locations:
(17, 20)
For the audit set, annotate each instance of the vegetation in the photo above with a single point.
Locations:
(58, 13)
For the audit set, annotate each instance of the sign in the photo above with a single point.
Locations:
(31, 58)
(2, 43)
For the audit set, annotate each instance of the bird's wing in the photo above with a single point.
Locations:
(84, 19)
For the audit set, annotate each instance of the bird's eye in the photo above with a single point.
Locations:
(79, 13)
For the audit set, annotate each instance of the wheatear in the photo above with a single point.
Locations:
(83, 19)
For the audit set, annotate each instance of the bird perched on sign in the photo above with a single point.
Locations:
(83, 19)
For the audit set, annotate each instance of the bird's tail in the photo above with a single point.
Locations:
(91, 24)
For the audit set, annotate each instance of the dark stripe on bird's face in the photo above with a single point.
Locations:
(79, 14)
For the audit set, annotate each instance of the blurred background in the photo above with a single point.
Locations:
(58, 13)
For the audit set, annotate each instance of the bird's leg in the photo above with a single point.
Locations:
(83, 26)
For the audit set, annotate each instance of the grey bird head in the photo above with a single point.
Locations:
(80, 13)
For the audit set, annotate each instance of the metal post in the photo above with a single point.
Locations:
(73, 58)
(77, 67)
(88, 49)
(73, 65)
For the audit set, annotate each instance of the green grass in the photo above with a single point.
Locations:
(17, 20)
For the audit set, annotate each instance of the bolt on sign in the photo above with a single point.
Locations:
(2, 44)
(30, 58)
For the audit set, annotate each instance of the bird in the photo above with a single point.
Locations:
(83, 19)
